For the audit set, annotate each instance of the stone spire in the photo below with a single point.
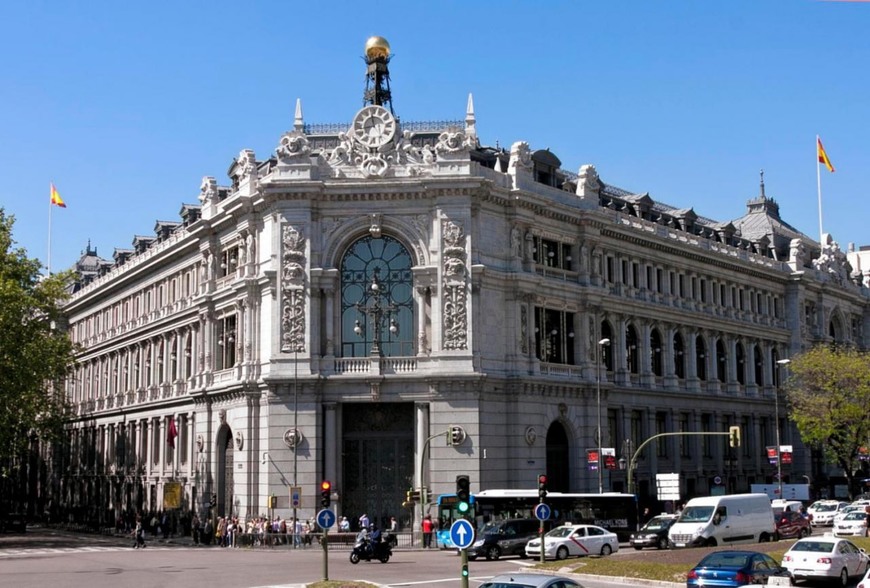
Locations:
(470, 122)
(298, 123)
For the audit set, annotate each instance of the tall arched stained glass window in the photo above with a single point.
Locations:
(377, 303)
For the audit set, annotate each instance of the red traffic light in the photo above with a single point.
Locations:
(542, 479)
(325, 486)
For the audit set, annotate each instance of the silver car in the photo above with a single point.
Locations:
(525, 580)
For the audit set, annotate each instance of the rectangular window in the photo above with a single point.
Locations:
(229, 260)
(661, 427)
(707, 440)
(659, 285)
(226, 343)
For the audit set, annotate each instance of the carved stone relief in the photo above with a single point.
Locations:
(293, 290)
(455, 287)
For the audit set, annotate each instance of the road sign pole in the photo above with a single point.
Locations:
(463, 570)
(325, 555)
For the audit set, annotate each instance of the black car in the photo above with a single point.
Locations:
(654, 533)
(508, 537)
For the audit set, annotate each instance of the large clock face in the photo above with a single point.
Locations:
(374, 126)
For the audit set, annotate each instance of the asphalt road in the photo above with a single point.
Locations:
(55, 559)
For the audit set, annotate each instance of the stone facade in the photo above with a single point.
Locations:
(406, 276)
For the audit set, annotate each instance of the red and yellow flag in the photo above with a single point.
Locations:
(58, 201)
(823, 157)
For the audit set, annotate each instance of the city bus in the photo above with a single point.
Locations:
(611, 510)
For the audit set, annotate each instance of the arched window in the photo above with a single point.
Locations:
(606, 355)
(679, 356)
(377, 305)
(759, 366)
(701, 358)
(741, 363)
(656, 352)
(721, 361)
(631, 351)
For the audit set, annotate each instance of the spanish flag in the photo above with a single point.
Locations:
(823, 157)
(58, 201)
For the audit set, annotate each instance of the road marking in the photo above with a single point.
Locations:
(8, 553)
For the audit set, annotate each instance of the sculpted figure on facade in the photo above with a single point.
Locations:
(455, 282)
(516, 242)
(521, 158)
(292, 289)
(294, 146)
(247, 165)
(832, 261)
(796, 252)
(208, 192)
(588, 183)
(452, 142)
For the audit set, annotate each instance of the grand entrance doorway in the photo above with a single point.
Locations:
(378, 453)
(558, 463)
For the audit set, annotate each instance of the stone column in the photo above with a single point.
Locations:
(420, 465)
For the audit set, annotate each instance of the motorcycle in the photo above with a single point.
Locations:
(365, 549)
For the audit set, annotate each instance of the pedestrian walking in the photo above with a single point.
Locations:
(139, 535)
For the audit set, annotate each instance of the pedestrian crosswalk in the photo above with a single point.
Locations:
(43, 551)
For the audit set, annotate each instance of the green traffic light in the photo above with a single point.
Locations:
(462, 507)
(464, 571)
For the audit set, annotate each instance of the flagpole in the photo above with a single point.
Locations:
(49, 230)
(819, 187)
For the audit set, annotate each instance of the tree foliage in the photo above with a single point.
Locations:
(829, 396)
(35, 355)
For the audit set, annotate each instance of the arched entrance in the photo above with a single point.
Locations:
(378, 455)
(558, 461)
(225, 465)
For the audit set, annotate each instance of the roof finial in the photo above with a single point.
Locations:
(470, 127)
(298, 124)
(762, 185)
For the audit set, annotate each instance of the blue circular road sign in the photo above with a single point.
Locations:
(542, 512)
(462, 534)
(325, 518)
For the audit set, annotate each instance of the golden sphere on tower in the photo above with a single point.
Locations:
(377, 47)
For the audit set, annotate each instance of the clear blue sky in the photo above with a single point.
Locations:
(125, 106)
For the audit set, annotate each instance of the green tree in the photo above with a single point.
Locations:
(829, 396)
(35, 355)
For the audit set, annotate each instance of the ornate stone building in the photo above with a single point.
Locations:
(341, 303)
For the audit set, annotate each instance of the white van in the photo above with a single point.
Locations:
(781, 505)
(724, 520)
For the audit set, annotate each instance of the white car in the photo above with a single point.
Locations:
(846, 510)
(865, 581)
(825, 558)
(822, 512)
(854, 523)
(574, 540)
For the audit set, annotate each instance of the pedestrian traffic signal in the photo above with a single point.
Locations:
(734, 436)
(542, 486)
(325, 493)
(463, 494)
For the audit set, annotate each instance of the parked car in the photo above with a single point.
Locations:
(825, 558)
(854, 524)
(734, 568)
(823, 511)
(525, 580)
(654, 533)
(792, 525)
(574, 540)
(508, 537)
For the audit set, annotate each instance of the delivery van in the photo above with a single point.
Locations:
(724, 520)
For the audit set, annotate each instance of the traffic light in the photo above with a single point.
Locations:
(213, 502)
(273, 501)
(463, 494)
(734, 436)
(542, 486)
(455, 435)
(325, 493)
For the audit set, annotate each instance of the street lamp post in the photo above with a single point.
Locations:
(602, 342)
(782, 363)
